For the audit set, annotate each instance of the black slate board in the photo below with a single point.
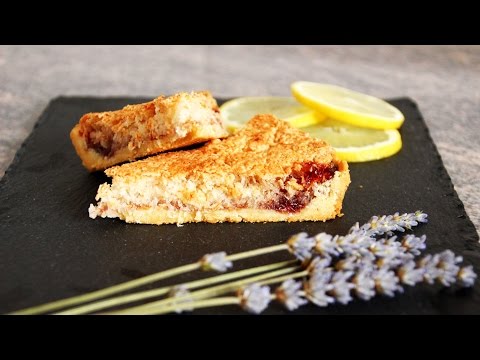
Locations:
(51, 249)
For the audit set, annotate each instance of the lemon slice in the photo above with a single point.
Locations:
(238, 111)
(348, 106)
(355, 144)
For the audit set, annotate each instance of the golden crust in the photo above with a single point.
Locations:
(165, 123)
(240, 178)
(266, 146)
(321, 208)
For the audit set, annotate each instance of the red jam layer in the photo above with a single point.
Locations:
(311, 173)
(105, 150)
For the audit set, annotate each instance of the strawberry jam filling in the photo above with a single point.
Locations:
(104, 148)
(307, 176)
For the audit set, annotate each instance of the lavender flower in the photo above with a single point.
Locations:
(365, 256)
(383, 224)
(391, 252)
(430, 270)
(348, 263)
(216, 261)
(386, 282)
(255, 298)
(467, 276)
(409, 274)
(318, 264)
(410, 220)
(359, 241)
(301, 245)
(420, 216)
(325, 245)
(448, 267)
(364, 283)
(406, 221)
(318, 283)
(346, 244)
(414, 244)
(290, 294)
(180, 291)
(388, 224)
(355, 229)
(341, 286)
(379, 249)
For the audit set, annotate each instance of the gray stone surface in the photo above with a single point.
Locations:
(444, 80)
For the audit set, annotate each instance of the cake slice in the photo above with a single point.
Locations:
(268, 171)
(108, 138)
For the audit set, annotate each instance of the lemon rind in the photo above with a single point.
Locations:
(371, 121)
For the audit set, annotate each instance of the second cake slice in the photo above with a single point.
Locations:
(268, 171)
(165, 123)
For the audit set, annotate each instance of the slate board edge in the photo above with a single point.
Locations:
(471, 237)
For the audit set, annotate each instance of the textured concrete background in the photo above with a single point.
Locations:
(444, 80)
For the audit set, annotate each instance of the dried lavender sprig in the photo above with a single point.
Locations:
(359, 238)
(112, 290)
(332, 281)
(208, 262)
(205, 293)
(195, 298)
(148, 294)
(327, 284)
(443, 268)
(387, 224)
(388, 265)
(387, 251)
(253, 298)
(358, 244)
(218, 262)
